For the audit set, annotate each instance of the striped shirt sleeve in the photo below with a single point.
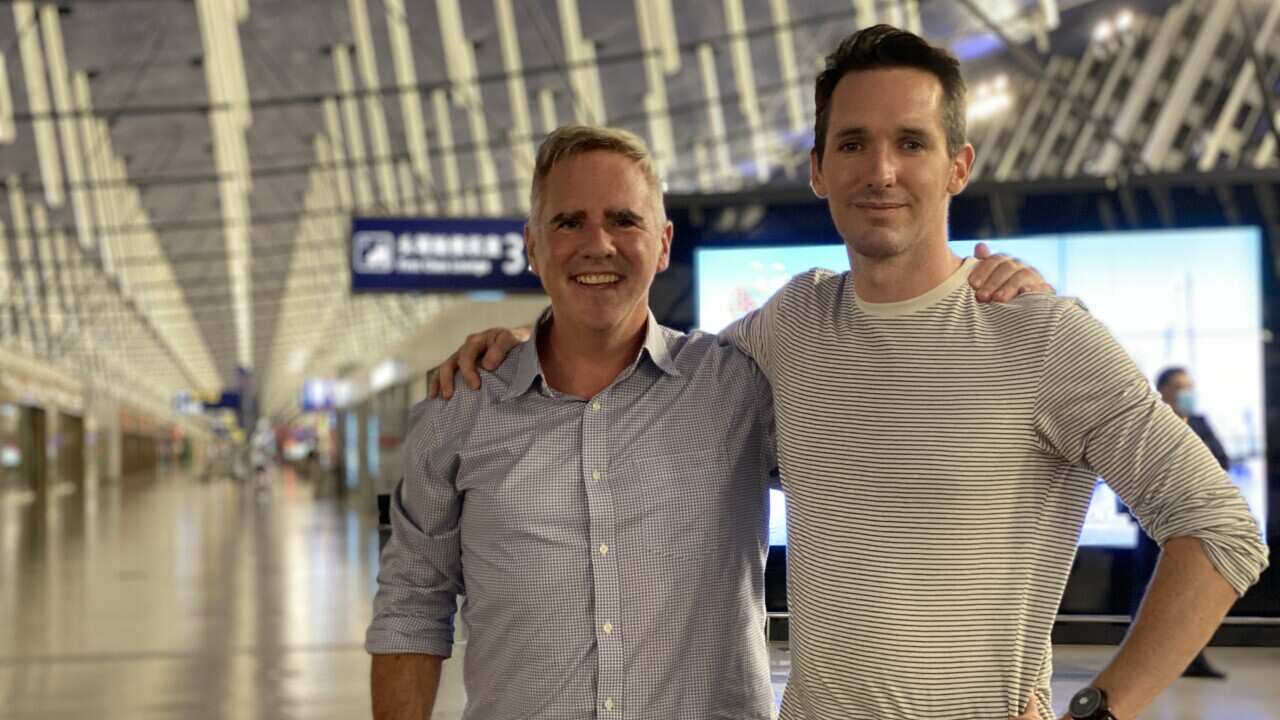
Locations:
(1096, 409)
(421, 570)
(754, 332)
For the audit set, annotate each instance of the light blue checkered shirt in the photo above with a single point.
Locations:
(610, 550)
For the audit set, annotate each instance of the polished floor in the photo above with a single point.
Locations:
(172, 597)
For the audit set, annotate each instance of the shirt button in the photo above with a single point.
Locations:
(608, 704)
(608, 628)
(595, 475)
(604, 549)
(596, 406)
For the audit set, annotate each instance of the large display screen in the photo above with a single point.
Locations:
(1190, 298)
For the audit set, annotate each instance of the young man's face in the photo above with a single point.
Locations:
(598, 241)
(885, 170)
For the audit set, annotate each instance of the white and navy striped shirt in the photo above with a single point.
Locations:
(939, 457)
(611, 549)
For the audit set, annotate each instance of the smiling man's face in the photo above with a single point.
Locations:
(885, 170)
(597, 242)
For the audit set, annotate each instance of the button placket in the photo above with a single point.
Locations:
(601, 538)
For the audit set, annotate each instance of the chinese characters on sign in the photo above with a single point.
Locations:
(407, 255)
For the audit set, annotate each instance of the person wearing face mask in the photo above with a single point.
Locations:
(1176, 388)
(1178, 391)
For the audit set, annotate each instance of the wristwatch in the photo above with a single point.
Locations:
(1090, 704)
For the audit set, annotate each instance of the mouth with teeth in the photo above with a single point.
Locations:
(597, 279)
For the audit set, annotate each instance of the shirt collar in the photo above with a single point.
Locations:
(529, 368)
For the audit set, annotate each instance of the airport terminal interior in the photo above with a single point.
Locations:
(236, 235)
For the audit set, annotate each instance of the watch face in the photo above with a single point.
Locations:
(1086, 703)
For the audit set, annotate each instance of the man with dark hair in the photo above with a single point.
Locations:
(931, 528)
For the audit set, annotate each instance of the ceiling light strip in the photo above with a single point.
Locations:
(785, 40)
(864, 13)
(740, 53)
(7, 269)
(547, 108)
(228, 118)
(408, 189)
(461, 68)
(334, 153)
(65, 107)
(116, 170)
(33, 73)
(444, 128)
(83, 105)
(354, 134)
(32, 330)
(584, 74)
(702, 162)
(668, 36)
(517, 97)
(717, 134)
(377, 118)
(655, 99)
(8, 129)
(415, 130)
(49, 298)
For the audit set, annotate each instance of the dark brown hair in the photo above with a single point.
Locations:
(1167, 375)
(884, 46)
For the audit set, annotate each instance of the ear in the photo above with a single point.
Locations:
(815, 174)
(529, 248)
(961, 166)
(664, 257)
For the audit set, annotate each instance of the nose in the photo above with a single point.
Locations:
(882, 170)
(597, 242)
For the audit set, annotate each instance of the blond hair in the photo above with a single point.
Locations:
(570, 141)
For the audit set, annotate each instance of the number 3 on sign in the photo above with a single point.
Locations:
(515, 262)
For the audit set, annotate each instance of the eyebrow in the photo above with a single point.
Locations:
(858, 132)
(612, 214)
(563, 216)
(623, 214)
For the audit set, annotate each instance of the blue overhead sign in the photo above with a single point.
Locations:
(317, 395)
(461, 254)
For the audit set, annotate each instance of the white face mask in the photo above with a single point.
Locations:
(1185, 403)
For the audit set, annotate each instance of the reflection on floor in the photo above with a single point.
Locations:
(168, 597)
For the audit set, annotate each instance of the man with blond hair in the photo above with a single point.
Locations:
(602, 501)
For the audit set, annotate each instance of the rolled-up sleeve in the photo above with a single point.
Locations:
(1097, 410)
(421, 571)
